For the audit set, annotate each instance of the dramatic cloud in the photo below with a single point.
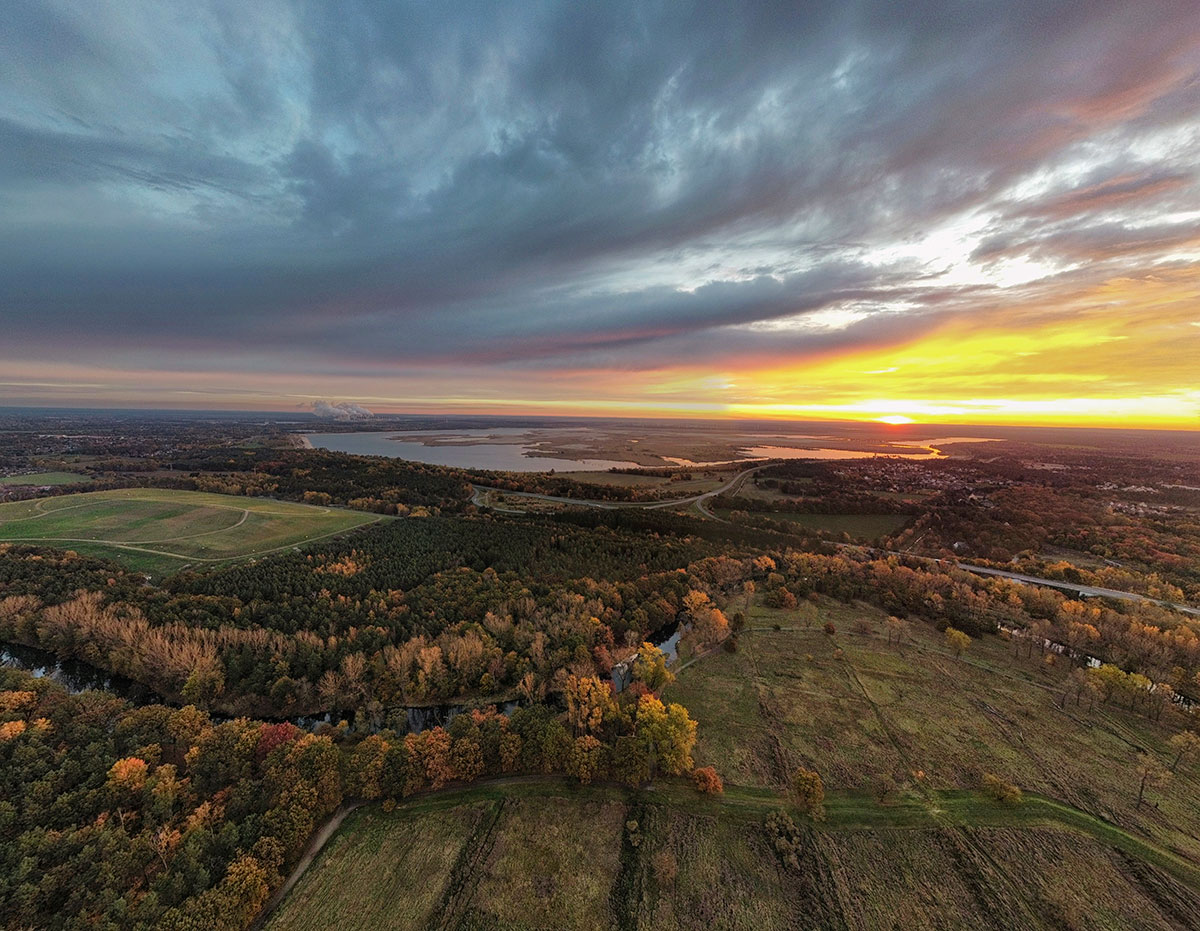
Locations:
(774, 207)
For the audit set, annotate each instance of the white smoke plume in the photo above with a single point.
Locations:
(341, 410)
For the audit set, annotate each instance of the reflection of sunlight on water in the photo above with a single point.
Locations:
(692, 464)
(945, 441)
(896, 448)
(791, 452)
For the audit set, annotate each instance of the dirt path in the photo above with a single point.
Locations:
(316, 844)
(846, 812)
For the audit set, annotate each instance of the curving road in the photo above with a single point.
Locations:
(478, 492)
(734, 483)
(1090, 590)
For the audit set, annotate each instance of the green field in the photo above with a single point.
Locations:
(162, 530)
(44, 478)
(478, 863)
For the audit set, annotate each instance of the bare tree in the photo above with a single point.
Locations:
(1151, 774)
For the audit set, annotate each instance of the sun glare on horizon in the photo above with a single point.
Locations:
(895, 419)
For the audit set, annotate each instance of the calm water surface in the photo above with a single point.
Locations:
(503, 449)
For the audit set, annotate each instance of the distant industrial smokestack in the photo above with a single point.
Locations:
(341, 410)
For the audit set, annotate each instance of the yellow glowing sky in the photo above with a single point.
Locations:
(1125, 353)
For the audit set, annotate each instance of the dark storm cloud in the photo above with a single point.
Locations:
(599, 184)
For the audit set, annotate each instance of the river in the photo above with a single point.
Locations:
(77, 676)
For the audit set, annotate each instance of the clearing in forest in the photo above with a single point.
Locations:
(865, 714)
(162, 530)
(558, 857)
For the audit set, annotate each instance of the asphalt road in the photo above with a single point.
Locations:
(1089, 590)
(1086, 590)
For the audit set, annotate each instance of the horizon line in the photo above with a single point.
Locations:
(308, 414)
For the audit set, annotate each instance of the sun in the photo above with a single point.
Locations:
(895, 419)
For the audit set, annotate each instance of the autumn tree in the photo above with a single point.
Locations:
(128, 776)
(510, 751)
(707, 781)
(429, 763)
(630, 761)
(748, 589)
(650, 667)
(365, 767)
(695, 601)
(957, 641)
(1162, 696)
(586, 760)
(466, 758)
(666, 733)
(709, 624)
(810, 792)
(588, 700)
(205, 682)
(1186, 745)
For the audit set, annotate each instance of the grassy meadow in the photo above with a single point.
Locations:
(545, 855)
(918, 716)
(162, 530)
(45, 478)
(933, 852)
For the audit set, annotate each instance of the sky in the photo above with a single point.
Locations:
(957, 212)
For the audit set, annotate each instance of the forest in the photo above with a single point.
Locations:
(408, 612)
(131, 819)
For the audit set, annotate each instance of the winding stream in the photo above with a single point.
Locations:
(77, 676)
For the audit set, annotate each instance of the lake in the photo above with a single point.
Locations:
(505, 449)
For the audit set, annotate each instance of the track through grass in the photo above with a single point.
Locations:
(161, 530)
(513, 854)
